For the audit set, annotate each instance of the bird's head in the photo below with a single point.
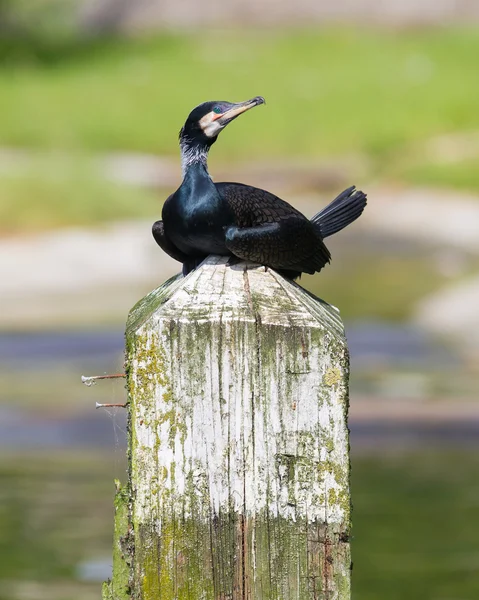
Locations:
(205, 122)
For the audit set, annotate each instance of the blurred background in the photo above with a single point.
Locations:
(381, 94)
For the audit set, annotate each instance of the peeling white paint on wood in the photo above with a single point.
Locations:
(238, 383)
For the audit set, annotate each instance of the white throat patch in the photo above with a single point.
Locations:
(210, 127)
(192, 154)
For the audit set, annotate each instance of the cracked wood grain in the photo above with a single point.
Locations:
(239, 465)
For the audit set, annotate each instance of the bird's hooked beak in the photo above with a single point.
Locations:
(237, 109)
(213, 122)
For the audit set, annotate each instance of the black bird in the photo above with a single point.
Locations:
(233, 219)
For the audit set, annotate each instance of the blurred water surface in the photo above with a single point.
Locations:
(415, 523)
(415, 497)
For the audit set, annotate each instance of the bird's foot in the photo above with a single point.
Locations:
(234, 260)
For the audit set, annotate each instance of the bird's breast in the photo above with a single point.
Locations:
(197, 227)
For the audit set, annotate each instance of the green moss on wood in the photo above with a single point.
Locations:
(149, 369)
(193, 560)
(201, 556)
(121, 545)
(106, 591)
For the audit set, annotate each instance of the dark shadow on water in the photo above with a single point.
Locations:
(368, 341)
(105, 428)
(18, 350)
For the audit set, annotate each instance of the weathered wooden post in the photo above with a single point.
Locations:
(239, 464)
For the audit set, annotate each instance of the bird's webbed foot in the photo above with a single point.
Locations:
(234, 260)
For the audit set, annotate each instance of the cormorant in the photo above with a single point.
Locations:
(233, 219)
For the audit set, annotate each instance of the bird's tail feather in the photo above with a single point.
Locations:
(342, 211)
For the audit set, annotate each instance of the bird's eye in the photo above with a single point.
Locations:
(217, 110)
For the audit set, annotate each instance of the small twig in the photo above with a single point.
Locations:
(98, 405)
(89, 381)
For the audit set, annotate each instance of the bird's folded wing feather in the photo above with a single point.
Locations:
(254, 206)
(158, 231)
(270, 231)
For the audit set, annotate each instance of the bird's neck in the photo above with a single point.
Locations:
(193, 155)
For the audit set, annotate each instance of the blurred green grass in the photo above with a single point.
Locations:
(462, 175)
(384, 97)
(57, 190)
(352, 285)
(378, 94)
(329, 91)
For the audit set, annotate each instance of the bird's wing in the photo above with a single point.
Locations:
(158, 231)
(270, 231)
(254, 206)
